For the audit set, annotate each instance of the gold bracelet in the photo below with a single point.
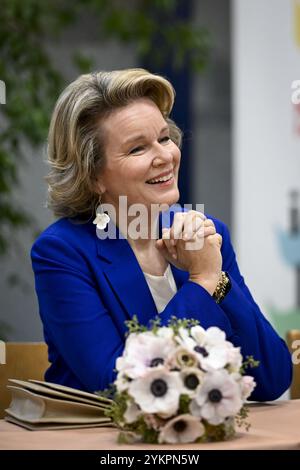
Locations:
(221, 288)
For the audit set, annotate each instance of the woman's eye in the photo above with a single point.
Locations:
(137, 149)
(165, 139)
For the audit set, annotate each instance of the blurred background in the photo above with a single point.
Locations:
(232, 64)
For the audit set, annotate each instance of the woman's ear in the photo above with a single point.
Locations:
(98, 185)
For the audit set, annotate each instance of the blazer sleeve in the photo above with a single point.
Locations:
(243, 322)
(74, 317)
(84, 334)
(253, 332)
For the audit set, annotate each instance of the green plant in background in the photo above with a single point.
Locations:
(33, 83)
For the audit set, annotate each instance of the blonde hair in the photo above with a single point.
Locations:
(75, 144)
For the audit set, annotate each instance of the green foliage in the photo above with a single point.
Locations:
(184, 404)
(150, 436)
(108, 392)
(140, 428)
(242, 418)
(175, 323)
(118, 407)
(33, 83)
(134, 326)
(220, 432)
(248, 362)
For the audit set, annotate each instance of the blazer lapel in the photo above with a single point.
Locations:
(179, 276)
(126, 278)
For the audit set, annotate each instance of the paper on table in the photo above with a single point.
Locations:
(37, 405)
(62, 392)
(55, 426)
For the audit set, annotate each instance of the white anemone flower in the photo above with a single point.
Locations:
(247, 384)
(195, 409)
(157, 392)
(219, 397)
(132, 412)
(214, 352)
(184, 339)
(210, 346)
(181, 430)
(214, 336)
(182, 358)
(165, 332)
(122, 382)
(192, 378)
(120, 363)
(198, 334)
(234, 358)
(144, 352)
(215, 357)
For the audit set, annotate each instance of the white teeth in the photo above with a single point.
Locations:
(162, 179)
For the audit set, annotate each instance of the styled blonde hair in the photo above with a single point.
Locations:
(75, 144)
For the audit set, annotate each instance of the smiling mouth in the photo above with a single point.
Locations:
(164, 179)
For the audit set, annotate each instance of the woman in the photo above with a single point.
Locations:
(111, 137)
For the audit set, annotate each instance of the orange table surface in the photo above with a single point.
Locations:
(274, 425)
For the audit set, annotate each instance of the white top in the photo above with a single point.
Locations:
(162, 288)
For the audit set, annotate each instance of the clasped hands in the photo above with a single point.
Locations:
(192, 244)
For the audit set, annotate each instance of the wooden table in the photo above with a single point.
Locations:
(273, 426)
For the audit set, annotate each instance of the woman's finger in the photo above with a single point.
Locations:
(209, 222)
(167, 241)
(185, 224)
(210, 230)
(215, 239)
(192, 224)
(220, 239)
(198, 225)
(161, 246)
(177, 226)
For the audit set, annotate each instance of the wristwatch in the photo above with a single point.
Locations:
(222, 288)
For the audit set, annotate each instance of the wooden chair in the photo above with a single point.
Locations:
(294, 335)
(23, 361)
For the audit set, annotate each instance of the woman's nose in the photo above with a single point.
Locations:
(162, 155)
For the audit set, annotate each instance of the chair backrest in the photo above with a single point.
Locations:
(23, 361)
(293, 341)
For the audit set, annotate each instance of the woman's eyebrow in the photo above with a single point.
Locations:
(142, 136)
(134, 139)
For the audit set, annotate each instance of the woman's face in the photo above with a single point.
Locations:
(138, 150)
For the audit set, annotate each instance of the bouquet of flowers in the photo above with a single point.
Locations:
(179, 383)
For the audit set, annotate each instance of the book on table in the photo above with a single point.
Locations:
(44, 405)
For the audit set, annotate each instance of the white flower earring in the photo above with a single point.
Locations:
(101, 219)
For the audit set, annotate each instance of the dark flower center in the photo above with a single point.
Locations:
(156, 361)
(201, 350)
(191, 381)
(215, 396)
(159, 388)
(185, 358)
(179, 426)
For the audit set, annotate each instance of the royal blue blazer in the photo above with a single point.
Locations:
(87, 288)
